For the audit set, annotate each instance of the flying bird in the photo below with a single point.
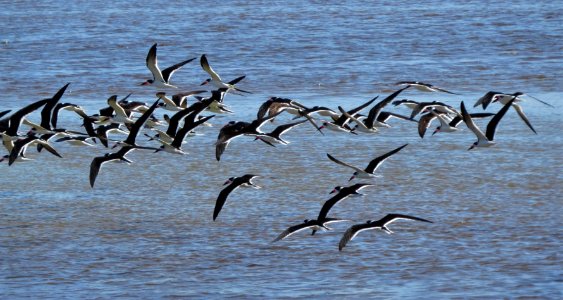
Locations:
(233, 184)
(484, 140)
(161, 79)
(425, 87)
(369, 225)
(369, 171)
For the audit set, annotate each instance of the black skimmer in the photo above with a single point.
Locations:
(451, 125)
(235, 129)
(501, 97)
(66, 106)
(11, 125)
(216, 80)
(178, 101)
(77, 140)
(97, 162)
(161, 79)
(274, 137)
(426, 120)
(379, 224)
(307, 224)
(437, 106)
(369, 171)
(369, 124)
(21, 145)
(121, 115)
(484, 140)
(385, 116)
(233, 184)
(406, 102)
(425, 87)
(504, 98)
(340, 123)
(136, 127)
(176, 145)
(47, 111)
(342, 193)
(274, 105)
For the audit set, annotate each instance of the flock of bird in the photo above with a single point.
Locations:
(130, 118)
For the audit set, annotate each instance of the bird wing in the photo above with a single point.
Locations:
(343, 163)
(360, 123)
(222, 198)
(134, 130)
(278, 131)
(424, 122)
(520, 112)
(17, 117)
(351, 233)
(470, 124)
(293, 229)
(492, 126)
(152, 64)
(47, 110)
(167, 73)
(390, 218)
(207, 68)
(486, 99)
(374, 111)
(374, 164)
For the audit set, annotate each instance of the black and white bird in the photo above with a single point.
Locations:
(484, 139)
(235, 129)
(20, 146)
(451, 125)
(369, 225)
(492, 96)
(341, 194)
(233, 184)
(274, 137)
(370, 124)
(307, 224)
(369, 171)
(424, 87)
(161, 79)
(215, 80)
(97, 162)
(340, 124)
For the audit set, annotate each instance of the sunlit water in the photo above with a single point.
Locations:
(146, 229)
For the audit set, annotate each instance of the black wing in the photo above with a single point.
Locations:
(134, 130)
(492, 126)
(167, 73)
(377, 161)
(222, 198)
(374, 111)
(47, 110)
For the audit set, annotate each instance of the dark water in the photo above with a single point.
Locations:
(146, 230)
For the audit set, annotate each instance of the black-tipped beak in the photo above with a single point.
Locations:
(435, 131)
(351, 178)
(227, 182)
(333, 191)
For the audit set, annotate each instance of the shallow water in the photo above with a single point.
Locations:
(146, 230)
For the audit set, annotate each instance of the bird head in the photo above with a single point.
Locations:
(336, 189)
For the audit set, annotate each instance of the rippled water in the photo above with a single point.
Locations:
(146, 230)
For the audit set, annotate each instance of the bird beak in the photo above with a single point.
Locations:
(333, 191)
(472, 146)
(145, 83)
(353, 176)
(227, 182)
(435, 131)
(205, 82)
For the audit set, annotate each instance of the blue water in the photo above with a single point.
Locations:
(146, 231)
